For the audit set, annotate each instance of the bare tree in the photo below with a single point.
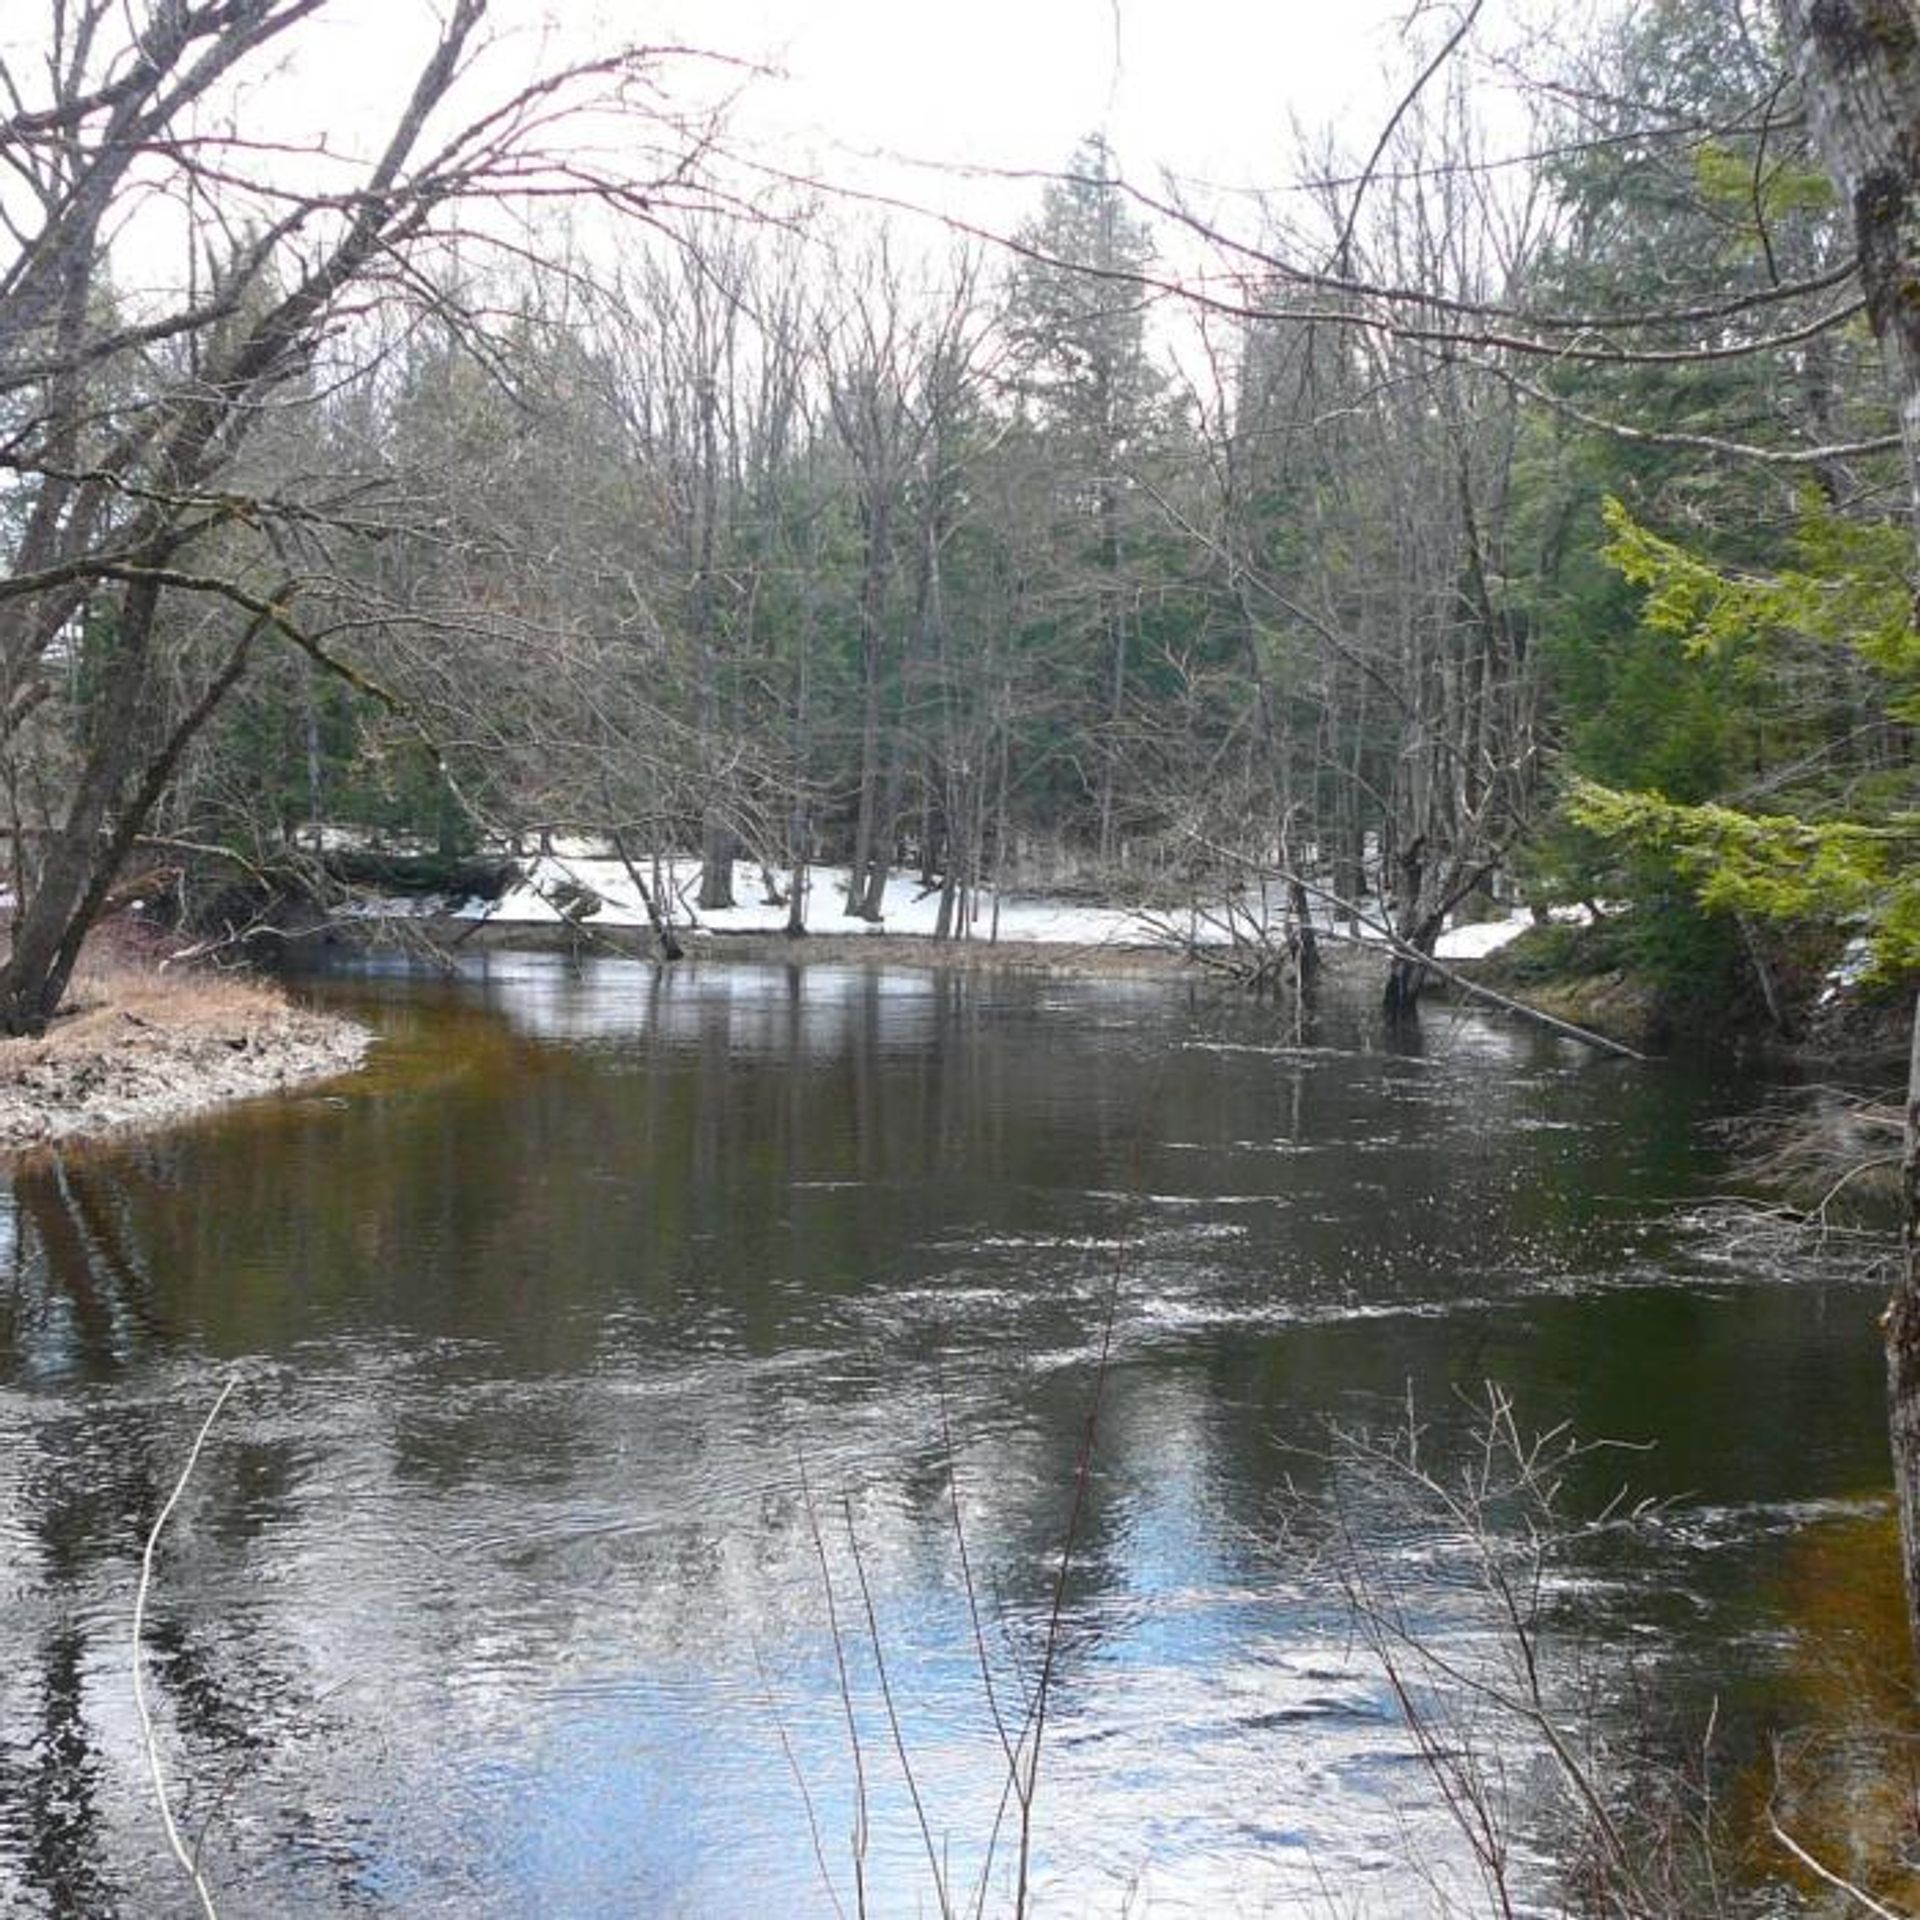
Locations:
(868, 355)
(130, 426)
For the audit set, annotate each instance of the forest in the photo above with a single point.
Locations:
(1469, 522)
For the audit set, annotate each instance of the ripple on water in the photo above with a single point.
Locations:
(505, 1555)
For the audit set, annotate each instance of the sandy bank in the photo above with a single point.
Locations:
(143, 1049)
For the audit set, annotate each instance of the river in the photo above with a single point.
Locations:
(638, 1371)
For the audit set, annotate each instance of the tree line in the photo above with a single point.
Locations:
(485, 493)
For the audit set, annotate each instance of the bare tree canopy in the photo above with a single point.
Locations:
(137, 498)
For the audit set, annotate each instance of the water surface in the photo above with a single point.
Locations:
(626, 1356)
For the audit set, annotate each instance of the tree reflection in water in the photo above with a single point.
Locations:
(470, 1605)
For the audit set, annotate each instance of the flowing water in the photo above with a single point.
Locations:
(640, 1371)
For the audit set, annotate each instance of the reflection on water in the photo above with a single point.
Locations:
(604, 1337)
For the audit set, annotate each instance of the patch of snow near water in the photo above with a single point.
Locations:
(909, 911)
(1853, 966)
(1481, 937)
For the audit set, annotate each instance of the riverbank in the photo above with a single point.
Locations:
(452, 938)
(140, 1048)
(578, 899)
(916, 950)
(1644, 984)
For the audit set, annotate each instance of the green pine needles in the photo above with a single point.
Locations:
(1846, 854)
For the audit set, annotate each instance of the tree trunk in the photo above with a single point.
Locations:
(800, 814)
(76, 880)
(1859, 64)
(1407, 975)
(1115, 631)
(1306, 943)
(1903, 1350)
(880, 851)
(717, 849)
(868, 824)
(800, 878)
(50, 927)
(664, 936)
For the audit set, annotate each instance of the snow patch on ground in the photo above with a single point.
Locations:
(1481, 937)
(576, 872)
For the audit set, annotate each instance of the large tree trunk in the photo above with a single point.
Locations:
(1859, 63)
(50, 926)
(1417, 920)
(1903, 1352)
(116, 796)
(717, 849)
(800, 813)
(1114, 628)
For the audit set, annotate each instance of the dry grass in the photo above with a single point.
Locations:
(113, 996)
(138, 1046)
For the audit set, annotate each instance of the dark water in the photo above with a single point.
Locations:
(617, 1352)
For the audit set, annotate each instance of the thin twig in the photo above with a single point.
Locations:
(800, 1781)
(893, 1717)
(859, 1834)
(188, 1862)
(966, 1566)
(1864, 1900)
(1056, 1615)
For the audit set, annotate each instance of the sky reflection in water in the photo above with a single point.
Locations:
(500, 1591)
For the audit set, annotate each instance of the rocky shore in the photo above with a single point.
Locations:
(136, 1048)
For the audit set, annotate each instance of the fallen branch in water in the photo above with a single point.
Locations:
(189, 1865)
(1380, 934)
(1857, 1896)
(1475, 990)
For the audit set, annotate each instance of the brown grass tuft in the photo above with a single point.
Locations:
(140, 1046)
(113, 995)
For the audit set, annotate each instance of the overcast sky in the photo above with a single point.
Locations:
(861, 91)
(904, 99)
(1203, 86)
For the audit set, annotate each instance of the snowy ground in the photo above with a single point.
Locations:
(555, 879)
